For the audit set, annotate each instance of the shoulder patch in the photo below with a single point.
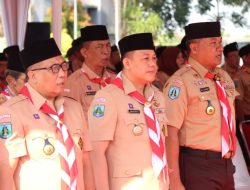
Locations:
(99, 110)
(5, 130)
(173, 92)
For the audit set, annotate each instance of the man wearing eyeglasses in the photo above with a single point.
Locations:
(85, 82)
(43, 136)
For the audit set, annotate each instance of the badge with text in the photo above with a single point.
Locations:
(173, 92)
(205, 89)
(131, 109)
(5, 130)
(99, 110)
(90, 93)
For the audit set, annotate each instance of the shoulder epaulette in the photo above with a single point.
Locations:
(14, 100)
(183, 70)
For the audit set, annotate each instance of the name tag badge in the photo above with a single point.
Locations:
(90, 93)
(205, 89)
(134, 111)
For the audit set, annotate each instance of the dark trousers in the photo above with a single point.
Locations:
(206, 171)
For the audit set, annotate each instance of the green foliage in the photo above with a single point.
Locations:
(68, 16)
(204, 6)
(162, 17)
(137, 20)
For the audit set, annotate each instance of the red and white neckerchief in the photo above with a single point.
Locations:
(102, 81)
(2, 85)
(7, 93)
(158, 151)
(228, 133)
(64, 144)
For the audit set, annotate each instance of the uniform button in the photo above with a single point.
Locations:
(127, 172)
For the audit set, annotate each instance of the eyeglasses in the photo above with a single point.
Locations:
(55, 67)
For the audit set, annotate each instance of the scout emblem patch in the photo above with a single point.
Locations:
(173, 92)
(99, 111)
(5, 130)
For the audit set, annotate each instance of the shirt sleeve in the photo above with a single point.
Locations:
(102, 117)
(176, 101)
(12, 138)
(239, 87)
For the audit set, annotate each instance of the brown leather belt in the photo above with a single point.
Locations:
(204, 153)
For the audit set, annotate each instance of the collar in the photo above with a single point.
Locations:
(202, 71)
(38, 100)
(91, 74)
(129, 87)
(10, 91)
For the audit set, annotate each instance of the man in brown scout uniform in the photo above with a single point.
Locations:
(3, 67)
(85, 82)
(201, 130)
(126, 120)
(15, 77)
(232, 59)
(43, 136)
(243, 85)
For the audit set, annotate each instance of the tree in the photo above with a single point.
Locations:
(174, 13)
(68, 16)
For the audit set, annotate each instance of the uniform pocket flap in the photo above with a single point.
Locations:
(127, 171)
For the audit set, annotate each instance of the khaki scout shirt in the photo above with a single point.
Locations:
(231, 71)
(188, 96)
(113, 116)
(243, 87)
(37, 170)
(80, 88)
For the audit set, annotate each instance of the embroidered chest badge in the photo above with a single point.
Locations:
(5, 130)
(36, 116)
(173, 92)
(99, 110)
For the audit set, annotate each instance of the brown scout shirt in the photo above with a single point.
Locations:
(231, 71)
(243, 87)
(112, 117)
(188, 96)
(30, 128)
(80, 88)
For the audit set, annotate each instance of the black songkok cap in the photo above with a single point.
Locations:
(2, 57)
(141, 41)
(36, 31)
(183, 43)
(76, 42)
(14, 63)
(114, 48)
(230, 47)
(39, 51)
(202, 30)
(93, 33)
(244, 50)
(11, 49)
